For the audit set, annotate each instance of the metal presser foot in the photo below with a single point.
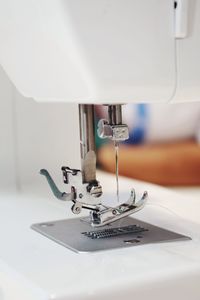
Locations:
(112, 228)
(88, 196)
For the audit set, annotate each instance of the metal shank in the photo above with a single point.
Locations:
(115, 114)
(87, 142)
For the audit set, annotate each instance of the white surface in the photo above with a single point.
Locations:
(188, 63)
(7, 140)
(47, 137)
(46, 270)
(193, 192)
(33, 136)
(181, 18)
(89, 51)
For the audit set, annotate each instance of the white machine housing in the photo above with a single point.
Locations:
(108, 51)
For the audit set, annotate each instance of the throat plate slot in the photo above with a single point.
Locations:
(110, 232)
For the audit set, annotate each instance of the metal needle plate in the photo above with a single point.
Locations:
(74, 234)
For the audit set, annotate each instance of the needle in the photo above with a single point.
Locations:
(116, 144)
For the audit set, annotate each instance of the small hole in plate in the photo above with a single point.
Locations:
(139, 237)
(133, 241)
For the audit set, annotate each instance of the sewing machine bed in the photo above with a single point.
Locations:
(77, 235)
(33, 266)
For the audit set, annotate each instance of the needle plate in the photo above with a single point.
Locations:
(79, 236)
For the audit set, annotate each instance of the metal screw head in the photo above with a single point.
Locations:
(80, 196)
(114, 212)
(77, 209)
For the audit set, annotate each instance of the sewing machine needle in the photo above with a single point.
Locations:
(116, 144)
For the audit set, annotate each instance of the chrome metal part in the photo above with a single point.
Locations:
(70, 234)
(116, 133)
(87, 142)
(94, 189)
(115, 114)
(57, 193)
(81, 194)
(113, 128)
(85, 190)
(88, 196)
(112, 214)
(110, 232)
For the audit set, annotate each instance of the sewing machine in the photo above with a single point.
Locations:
(109, 52)
(100, 52)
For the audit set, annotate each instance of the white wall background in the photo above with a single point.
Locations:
(34, 136)
(7, 145)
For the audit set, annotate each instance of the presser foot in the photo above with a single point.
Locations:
(88, 196)
(112, 214)
(117, 228)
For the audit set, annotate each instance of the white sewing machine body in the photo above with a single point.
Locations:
(108, 51)
(102, 51)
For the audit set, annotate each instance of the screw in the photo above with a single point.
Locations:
(121, 208)
(77, 209)
(114, 212)
(80, 196)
